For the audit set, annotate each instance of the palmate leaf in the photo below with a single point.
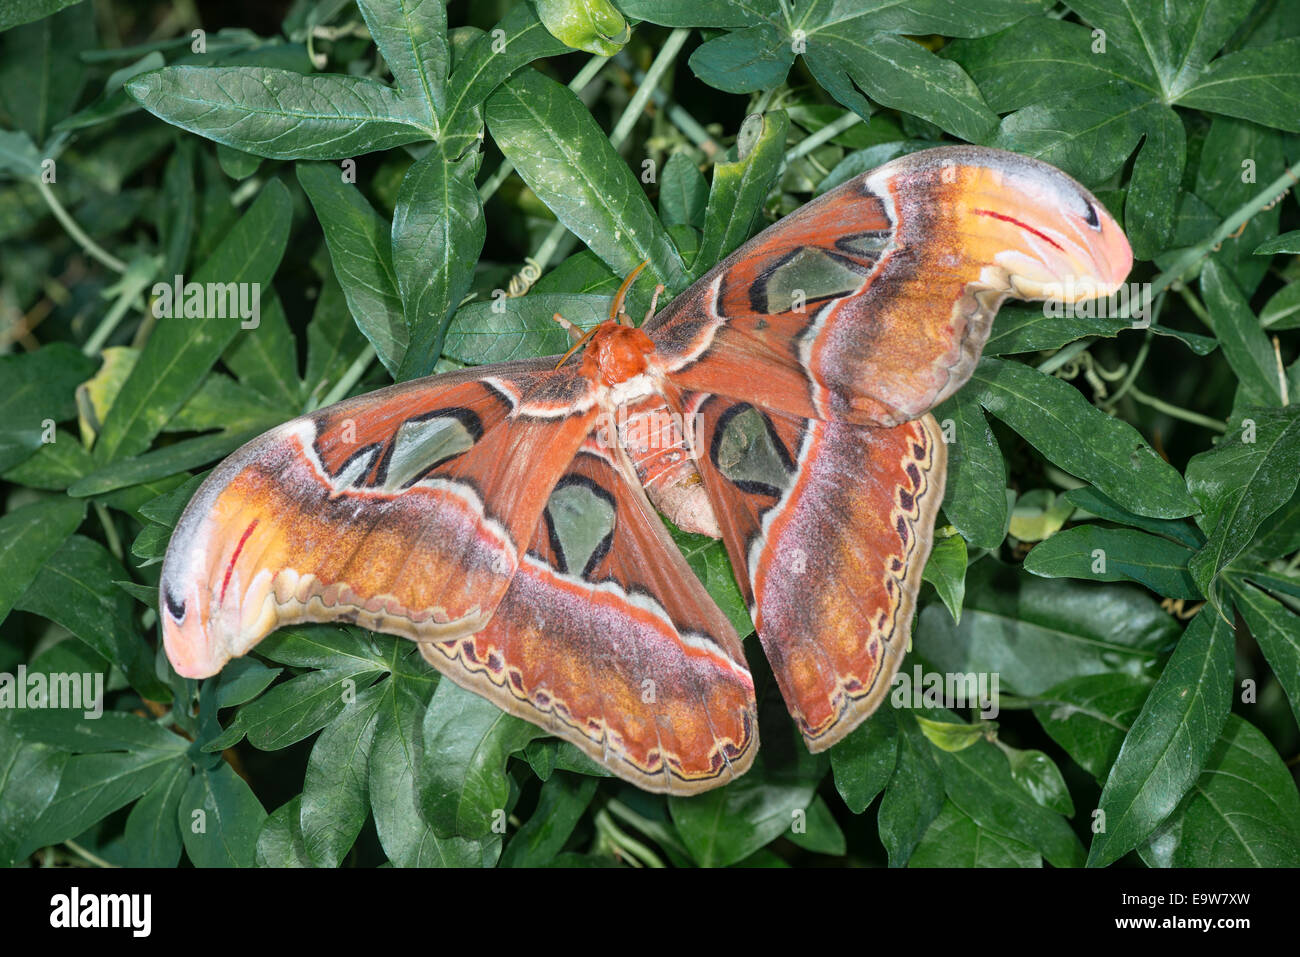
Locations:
(1084, 101)
(847, 50)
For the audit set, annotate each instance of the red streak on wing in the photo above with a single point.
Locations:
(1024, 226)
(225, 582)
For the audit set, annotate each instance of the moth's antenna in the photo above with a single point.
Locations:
(576, 346)
(616, 309)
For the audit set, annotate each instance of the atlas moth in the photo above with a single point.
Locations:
(490, 514)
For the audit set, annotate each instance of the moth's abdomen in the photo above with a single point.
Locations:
(655, 438)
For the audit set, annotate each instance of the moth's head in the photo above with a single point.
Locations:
(1034, 228)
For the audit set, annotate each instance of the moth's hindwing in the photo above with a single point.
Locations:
(828, 526)
(607, 639)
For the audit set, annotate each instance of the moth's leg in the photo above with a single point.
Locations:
(575, 334)
(654, 303)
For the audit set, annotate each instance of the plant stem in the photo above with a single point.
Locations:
(110, 530)
(824, 135)
(1175, 411)
(70, 225)
(663, 60)
(86, 855)
(349, 379)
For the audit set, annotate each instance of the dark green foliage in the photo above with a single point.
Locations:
(417, 187)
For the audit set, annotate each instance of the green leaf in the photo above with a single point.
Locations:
(1153, 187)
(39, 386)
(167, 461)
(949, 735)
(1038, 58)
(1286, 243)
(1243, 811)
(464, 793)
(1081, 439)
(153, 835)
(93, 786)
(180, 350)
(28, 537)
(487, 62)
(242, 680)
(361, 251)
(864, 761)
(75, 588)
(18, 12)
(975, 497)
(1244, 343)
(1259, 84)
(1277, 630)
(412, 36)
(266, 359)
(333, 340)
(1041, 778)
(1089, 715)
(708, 559)
(946, 571)
(556, 146)
(1093, 502)
(279, 114)
(396, 759)
(220, 818)
(683, 193)
(757, 57)
(562, 803)
(1247, 477)
(978, 780)
(740, 188)
(42, 72)
(1170, 739)
(521, 327)
(914, 796)
(334, 802)
(280, 842)
(438, 233)
(953, 839)
(819, 832)
(898, 73)
(1036, 633)
(29, 779)
(1094, 553)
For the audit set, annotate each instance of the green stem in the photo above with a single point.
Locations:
(109, 322)
(70, 225)
(350, 378)
(86, 855)
(636, 106)
(1195, 305)
(629, 845)
(1065, 356)
(1176, 412)
(824, 135)
(110, 530)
